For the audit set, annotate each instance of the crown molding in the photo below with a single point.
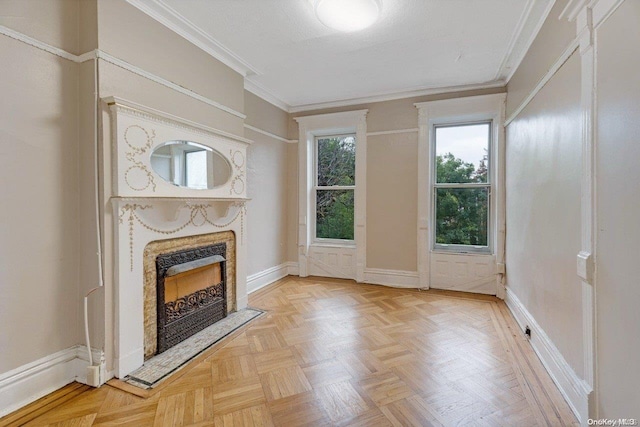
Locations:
(261, 92)
(571, 10)
(526, 31)
(171, 19)
(390, 96)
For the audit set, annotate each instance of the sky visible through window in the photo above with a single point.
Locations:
(467, 143)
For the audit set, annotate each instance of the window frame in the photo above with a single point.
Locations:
(186, 169)
(319, 241)
(435, 185)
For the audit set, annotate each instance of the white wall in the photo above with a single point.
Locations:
(618, 213)
(544, 158)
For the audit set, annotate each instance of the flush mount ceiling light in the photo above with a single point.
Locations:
(347, 15)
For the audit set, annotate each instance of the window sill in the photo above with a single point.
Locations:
(443, 251)
(348, 245)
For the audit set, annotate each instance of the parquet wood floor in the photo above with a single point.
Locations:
(333, 352)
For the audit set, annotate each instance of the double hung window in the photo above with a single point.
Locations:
(335, 184)
(462, 187)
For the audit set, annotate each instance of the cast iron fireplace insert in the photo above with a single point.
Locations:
(182, 316)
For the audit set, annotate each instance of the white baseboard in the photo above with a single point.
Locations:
(393, 278)
(30, 382)
(375, 276)
(575, 390)
(266, 277)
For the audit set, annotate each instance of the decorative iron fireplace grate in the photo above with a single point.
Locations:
(191, 292)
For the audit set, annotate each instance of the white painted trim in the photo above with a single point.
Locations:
(390, 96)
(325, 124)
(263, 93)
(515, 38)
(545, 79)
(34, 380)
(456, 110)
(572, 9)
(588, 17)
(292, 267)
(45, 46)
(392, 278)
(519, 44)
(574, 390)
(360, 198)
(270, 135)
(393, 132)
(100, 54)
(171, 119)
(602, 10)
(160, 80)
(167, 16)
(266, 277)
(38, 44)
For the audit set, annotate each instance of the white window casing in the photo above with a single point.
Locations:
(436, 263)
(328, 257)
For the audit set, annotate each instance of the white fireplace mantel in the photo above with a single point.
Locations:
(146, 208)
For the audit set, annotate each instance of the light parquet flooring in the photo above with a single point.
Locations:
(333, 352)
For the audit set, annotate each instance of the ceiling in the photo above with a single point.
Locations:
(417, 46)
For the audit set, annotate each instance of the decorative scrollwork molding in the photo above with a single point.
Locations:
(137, 149)
(174, 310)
(238, 161)
(198, 217)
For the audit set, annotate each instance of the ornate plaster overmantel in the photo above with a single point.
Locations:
(147, 208)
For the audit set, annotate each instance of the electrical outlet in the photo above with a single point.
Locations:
(527, 332)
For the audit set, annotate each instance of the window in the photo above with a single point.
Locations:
(335, 166)
(462, 187)
(196, 169)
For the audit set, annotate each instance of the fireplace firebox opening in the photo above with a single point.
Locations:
(191, 292)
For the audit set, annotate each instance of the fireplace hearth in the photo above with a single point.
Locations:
(191, 292)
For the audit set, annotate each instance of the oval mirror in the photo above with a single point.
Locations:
(191, 165)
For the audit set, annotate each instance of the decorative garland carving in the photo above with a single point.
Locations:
(198, 217)
(131, 208)
(135, 151)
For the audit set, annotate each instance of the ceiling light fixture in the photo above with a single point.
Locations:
(348, 15)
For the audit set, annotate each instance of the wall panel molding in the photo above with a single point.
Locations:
(270, 135)
(100, 54)
(573, 46)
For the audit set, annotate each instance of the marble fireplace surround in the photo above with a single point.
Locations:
(160, 247)
(150, 214)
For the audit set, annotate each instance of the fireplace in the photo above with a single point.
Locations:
(191, 293)
(153, 217)
(182, 276)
